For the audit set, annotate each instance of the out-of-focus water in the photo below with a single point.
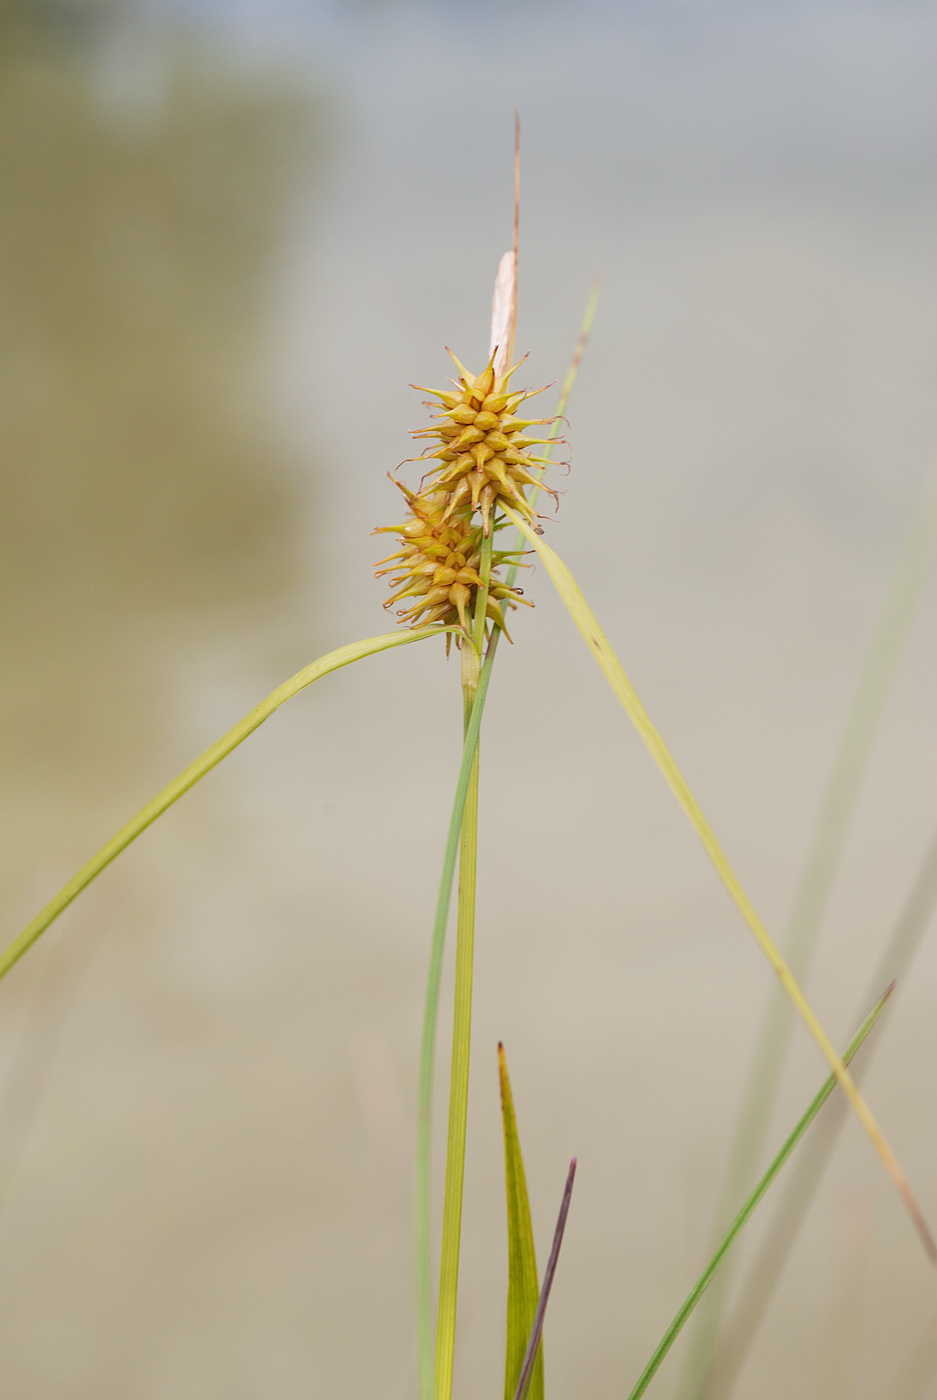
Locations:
(229, 241)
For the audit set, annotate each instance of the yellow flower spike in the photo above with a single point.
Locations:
(476, 447)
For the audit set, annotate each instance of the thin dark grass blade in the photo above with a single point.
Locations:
(775, 1249)
(536, 1332)
(523, 1289)
(745, 1214)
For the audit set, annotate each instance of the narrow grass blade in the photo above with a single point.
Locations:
(722, 1369)
(425, 1336)
(745, 1214)
(333, 661)
(812, 895)
(461, 1054)
(523, 1288)
(536, 1332)
(598, 644)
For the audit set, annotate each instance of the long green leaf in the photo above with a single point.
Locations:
(599, 645)
(189, 776)
(722, 1367)
(523, 1288)
(811, 899)
(745, 1214)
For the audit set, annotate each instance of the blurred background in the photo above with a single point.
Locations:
(230, 236)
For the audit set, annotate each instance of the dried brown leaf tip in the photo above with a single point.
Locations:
(479, 441)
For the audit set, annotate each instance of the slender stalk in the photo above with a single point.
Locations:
(745, 1214)
(812, 897)
(189, 776)
(461, 1041)
(422, 1202)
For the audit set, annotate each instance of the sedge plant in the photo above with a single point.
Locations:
(453, 576)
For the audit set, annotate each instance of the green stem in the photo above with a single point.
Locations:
(461, 1050)
(196, 770)
(745, 1214)
(462, 1016)
(428, 1048)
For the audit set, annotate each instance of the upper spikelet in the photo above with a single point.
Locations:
(482, 445)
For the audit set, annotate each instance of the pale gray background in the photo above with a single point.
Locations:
(233, 235)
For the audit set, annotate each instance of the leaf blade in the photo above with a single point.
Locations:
(197, 769)
(523, 1287)
(748, 1209)
(601, 648)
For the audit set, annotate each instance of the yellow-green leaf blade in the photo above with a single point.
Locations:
(189, 776)
(523, 1288)
(599, 645)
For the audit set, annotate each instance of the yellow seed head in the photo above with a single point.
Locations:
(483, 460)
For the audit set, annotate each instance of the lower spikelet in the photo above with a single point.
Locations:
(482, 462)
(437, 565)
